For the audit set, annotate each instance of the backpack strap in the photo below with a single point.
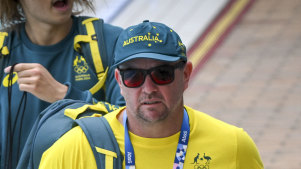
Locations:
(3, 47)
(74, 113)
(4, 51)
(93, 39)
(102, 141)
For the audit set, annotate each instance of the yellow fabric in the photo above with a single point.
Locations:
(4, 49)
(101, 81)
(80, 38)
(73, 113)
(212, 144)
(2, 38)
(104, 151)
(108, 158)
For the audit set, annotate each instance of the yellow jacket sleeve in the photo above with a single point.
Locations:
(72, 150)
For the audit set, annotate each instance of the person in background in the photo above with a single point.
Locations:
(155, 129)
(48, 68)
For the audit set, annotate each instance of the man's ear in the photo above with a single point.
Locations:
(117, 77)
(119, 80)
(187, 73)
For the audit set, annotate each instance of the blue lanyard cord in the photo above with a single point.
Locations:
(183, 142)
(181, 148)
(129, 150)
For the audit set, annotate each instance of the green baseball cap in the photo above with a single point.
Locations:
(149, 40)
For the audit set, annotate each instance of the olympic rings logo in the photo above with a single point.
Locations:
(81, 69)
(80, 65)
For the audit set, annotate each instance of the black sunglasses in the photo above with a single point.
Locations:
(160, 75)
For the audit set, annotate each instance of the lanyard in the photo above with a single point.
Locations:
(181, 148)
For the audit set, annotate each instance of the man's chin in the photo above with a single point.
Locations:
(152, 115)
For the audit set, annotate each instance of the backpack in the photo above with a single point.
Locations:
(59, 118)
(88, 42)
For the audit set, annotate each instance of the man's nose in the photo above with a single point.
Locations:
(149, 85)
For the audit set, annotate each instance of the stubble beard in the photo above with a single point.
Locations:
(146, 116)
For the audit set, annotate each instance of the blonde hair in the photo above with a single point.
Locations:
(11, 12)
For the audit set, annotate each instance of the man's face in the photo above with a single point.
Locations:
(151, 102)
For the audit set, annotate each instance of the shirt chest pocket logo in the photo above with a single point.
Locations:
(201, 162)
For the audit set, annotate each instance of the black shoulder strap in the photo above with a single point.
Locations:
(102, 141)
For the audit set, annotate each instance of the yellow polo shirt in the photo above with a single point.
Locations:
(212, 144)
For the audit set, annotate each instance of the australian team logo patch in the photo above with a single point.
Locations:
(81, 67)
(201, 161)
